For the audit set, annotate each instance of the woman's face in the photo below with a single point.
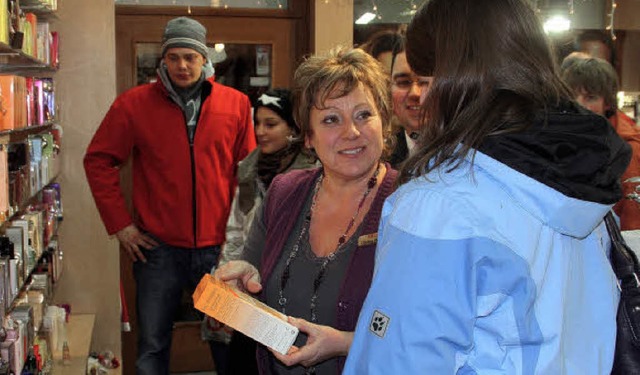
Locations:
(406, 88)
(347, 134)
(271, 131)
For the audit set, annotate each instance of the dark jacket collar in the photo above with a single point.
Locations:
(568, 149)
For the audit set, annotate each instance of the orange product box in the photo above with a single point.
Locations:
(244, 313)
(4, 183)
(13, 102)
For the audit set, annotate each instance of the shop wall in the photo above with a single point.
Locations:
(85, 87)
(333, 23)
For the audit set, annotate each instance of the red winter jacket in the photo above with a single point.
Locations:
(182, 193)
(627, 209)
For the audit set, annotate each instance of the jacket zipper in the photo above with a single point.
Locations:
(193, 188)
(194, 201)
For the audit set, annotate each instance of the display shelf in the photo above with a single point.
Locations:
(16, 61)
(19, 135)
(39, 9)
(25, 204)
(25, 286)
(79, 333)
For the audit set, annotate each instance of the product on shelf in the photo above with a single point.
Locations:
(13, 102)
(30, 204)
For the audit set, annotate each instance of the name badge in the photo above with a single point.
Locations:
(368, 239)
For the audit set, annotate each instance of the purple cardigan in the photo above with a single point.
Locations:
(285, 200)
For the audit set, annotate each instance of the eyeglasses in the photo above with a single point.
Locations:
(405, 83)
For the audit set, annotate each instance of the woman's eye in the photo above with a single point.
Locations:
(330, 120)
(364, 115)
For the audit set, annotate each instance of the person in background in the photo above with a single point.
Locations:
(185, 135)
(406, 89)
(595, 86)
(596, 43)
(312, 257)
(380, 45)
(485, 247)
(279, 151)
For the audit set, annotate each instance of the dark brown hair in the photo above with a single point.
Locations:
(493, 70)
(594, 76)
(380, 42)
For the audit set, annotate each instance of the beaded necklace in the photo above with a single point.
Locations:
(284, 279)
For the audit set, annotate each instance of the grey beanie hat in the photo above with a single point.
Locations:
(186, 33)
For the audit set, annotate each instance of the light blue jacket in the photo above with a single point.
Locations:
(505, 275)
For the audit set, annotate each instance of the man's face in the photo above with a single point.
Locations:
(184, 66)
(406, 91)
(592, 102)
(595, 48)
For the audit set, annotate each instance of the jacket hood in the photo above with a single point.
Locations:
(575, 153)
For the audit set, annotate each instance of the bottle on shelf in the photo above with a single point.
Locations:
(66, 355)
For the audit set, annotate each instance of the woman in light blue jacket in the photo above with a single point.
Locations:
(492, 256)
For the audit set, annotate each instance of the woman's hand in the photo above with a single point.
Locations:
(323, 342)
(242, 273)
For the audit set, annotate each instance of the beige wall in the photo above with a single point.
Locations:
(85, 87)
(333, 24)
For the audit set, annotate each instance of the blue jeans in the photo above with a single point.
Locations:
(160, 283)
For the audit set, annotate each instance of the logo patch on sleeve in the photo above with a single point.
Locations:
(379, 323)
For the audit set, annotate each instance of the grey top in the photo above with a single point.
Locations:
(303, 272)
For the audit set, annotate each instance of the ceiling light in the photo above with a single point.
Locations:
(557, 24)
(365, 18)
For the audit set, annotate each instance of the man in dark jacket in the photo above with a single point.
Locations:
(185, 134)
(406, 90)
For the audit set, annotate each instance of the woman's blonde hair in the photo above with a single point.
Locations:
(334, 75)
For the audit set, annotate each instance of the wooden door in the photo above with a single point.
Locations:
(285, 32)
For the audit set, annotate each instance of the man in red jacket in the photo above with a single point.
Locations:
(185, 135)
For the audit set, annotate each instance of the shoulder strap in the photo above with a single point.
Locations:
(623, 259)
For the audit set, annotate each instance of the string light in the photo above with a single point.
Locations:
(374, 8)
(571, 7)
(189, 9)
(611, 29)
